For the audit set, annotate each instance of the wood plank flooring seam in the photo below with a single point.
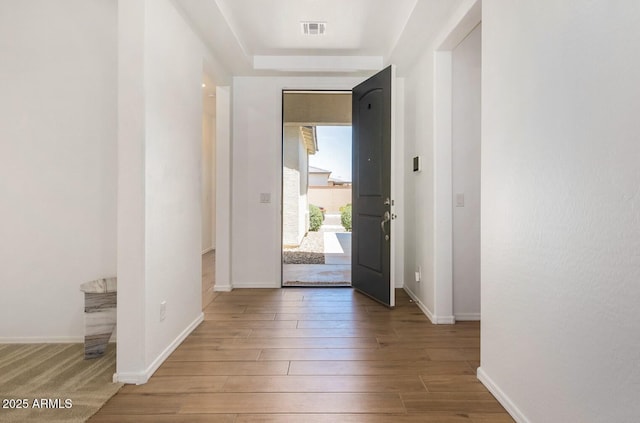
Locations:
(426, 388)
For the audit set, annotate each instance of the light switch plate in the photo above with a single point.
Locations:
(459, 200)
(265, 197)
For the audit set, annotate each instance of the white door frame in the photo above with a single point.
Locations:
(397, 162)
(223, 189)
(466, 20)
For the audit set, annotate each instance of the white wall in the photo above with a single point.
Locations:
(58, 70)
(465, 167)
(418, 186)
(560, 209)
(257, 168)
(160, 147)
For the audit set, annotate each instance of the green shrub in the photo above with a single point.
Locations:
(315, 218)
(345, 217)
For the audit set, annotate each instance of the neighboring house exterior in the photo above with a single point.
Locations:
(299, 142)
(322, 178)
(318, 177)
(334, 182)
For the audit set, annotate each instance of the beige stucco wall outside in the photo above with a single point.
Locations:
(330, 197)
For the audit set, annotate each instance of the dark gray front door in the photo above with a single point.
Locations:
(371, 246)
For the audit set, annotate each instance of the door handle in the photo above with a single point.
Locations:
(385, 219)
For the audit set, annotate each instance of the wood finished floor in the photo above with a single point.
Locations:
(314, 355)
(208, 277)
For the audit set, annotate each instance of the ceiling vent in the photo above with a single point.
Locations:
(313, 28)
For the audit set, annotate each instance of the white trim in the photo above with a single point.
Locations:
(422, 307)
(223, 186)
(397, 186)
(207, 250)
(140, 378)
(444, 320)
(436, 320)
(394, 242)
(222, 288)
(470, 317)
(256, 285)
(136, 378)
(43, 340)
(502, 398)
(443, 185)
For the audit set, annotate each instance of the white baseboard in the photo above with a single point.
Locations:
(501, 397)
(444, 320)
(43, 340)
(222, 288)
(207, 250)
(256, 285)
(140, 378)
(135, 378)
(436, 320)
(422, 307)
(467, 317)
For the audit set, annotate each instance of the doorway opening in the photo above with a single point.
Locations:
(457, 171)
(316, 188)
(465, 166)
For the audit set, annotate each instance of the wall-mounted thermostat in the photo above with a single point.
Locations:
(417, 167)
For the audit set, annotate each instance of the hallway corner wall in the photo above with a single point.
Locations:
(160, 212)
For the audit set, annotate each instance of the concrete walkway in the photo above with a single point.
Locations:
(336, 249)
(332, 223)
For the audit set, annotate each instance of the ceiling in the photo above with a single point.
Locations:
(264, 37)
